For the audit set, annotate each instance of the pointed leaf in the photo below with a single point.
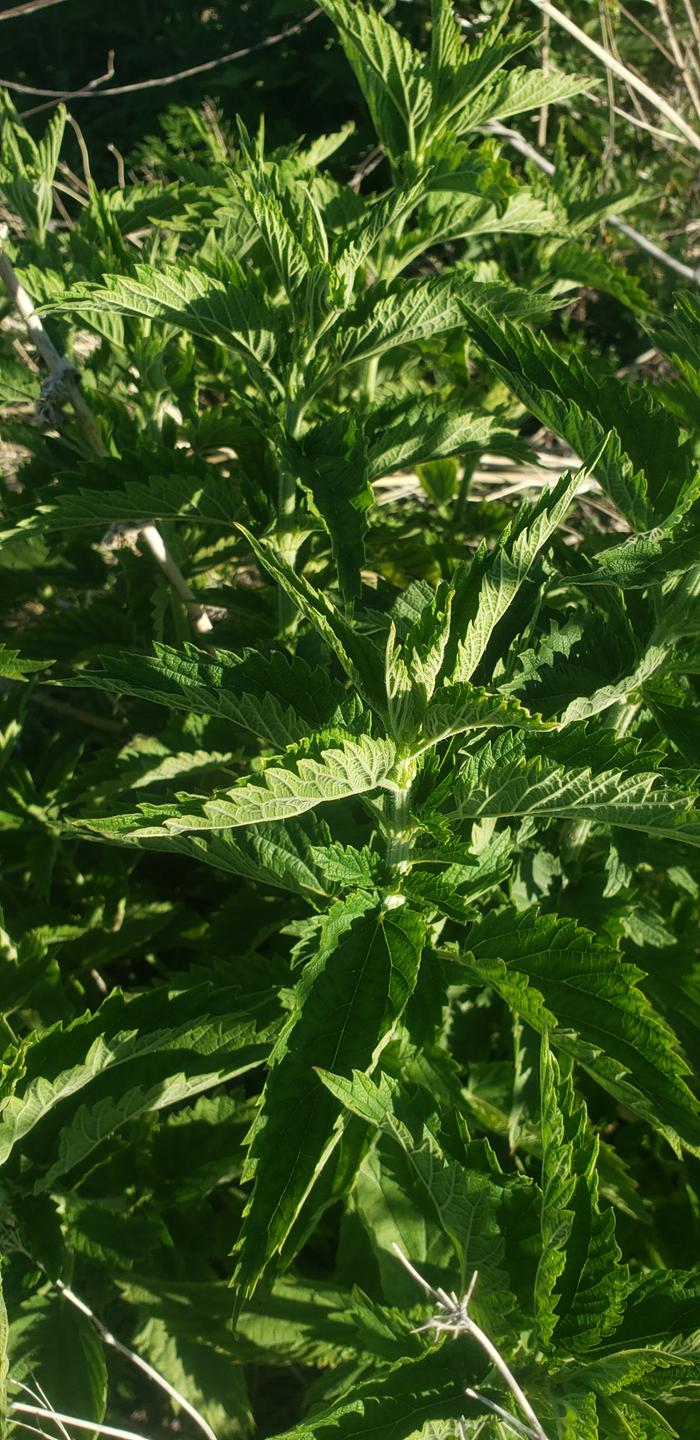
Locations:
(346, 1006)
(580, 1285)
(560, 979)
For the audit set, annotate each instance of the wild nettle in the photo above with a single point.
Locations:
(432, 820)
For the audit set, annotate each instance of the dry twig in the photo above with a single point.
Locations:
(518, 141)
(92, 90)
(27, 8)
(453, 1318)
(622, 71)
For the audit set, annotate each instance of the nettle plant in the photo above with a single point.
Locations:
(421, 817)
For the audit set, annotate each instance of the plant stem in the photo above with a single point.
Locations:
(621, 70)
(523, 146)
(398, 839)
(136, 1359)
(286, 515)
(57, 1415)
(369, 379)
(398, 817)
(497, 1360)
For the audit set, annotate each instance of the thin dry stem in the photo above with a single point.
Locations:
(89, 91)
(504, 1415)
(136, 1359)
(616, 66)
(544, 109)
(694, 24)
(518, 141)
(49, 1414)
(28, 8)
(679, 58)
(455, 1320)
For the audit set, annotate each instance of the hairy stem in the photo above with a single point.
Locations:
(398, 817)
(286, 516)
(398, 847)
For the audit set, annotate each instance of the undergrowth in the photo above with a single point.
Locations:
(349, 778)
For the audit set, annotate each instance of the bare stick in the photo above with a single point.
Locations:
(612, 63)
(644, 125)
(28, 8)
(694, 24)
(47, 1414)
(158, 548)
(90, 92)
(544, 109)
(111, 1340)
(502, 1414)
(608, 35)
(136, 1359)
(121, 173)
(65, 376)
(456, 1320)
(518, 141)
(651, 37)
(679, 58)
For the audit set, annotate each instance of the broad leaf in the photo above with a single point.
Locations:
(348, 767)
(345, 1009)
(580, 1285)
(560, 979)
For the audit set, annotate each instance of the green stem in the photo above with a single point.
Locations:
(369, 380)
(398, 817)
(398, 847)
(286, 544)
(286, 517)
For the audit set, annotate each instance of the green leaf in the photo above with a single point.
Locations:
(358, 656)
(273, 856)
(184, 495)
(50, 1339)
(645, 466)
(426, 430)
(414, 658)
(4, 1357)
(462, 707)
(502, 778)
(212, 1383)
(515, 91)
(287, 255)
(406, 312)
(346, 1007)
(277, 698)
(467, 1200)
(487, 588)
(559, 978)
(188, 299)
(48, 151)
(349, 767)
(392, 1405)
(389, 71)
(580, 1285)
(660, 1303)
(13, 666)
(330, 462)
(111, 1052)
